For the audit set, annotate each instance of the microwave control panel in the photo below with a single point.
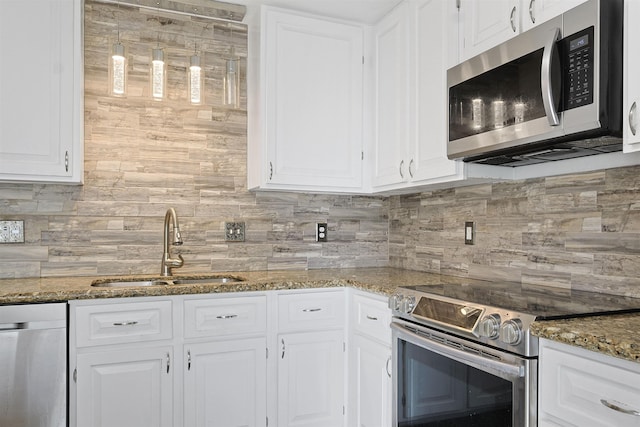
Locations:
(578, 69)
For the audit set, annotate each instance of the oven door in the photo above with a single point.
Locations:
(443, 380)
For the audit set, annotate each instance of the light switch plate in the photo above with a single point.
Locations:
(11, 231)
(234, 231)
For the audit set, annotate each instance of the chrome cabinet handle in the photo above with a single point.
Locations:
(387, 366)
(227, 316)
(270, 171)
(410, 167)
(545, 77)
(371, 317)
(401, 167)
(126, 323)
(311, 310)
(633, 119)
(513, 22)
(168, 362)
(616, 407)
(188, 360)
(283, 348)
(532, 12)
(66, 161)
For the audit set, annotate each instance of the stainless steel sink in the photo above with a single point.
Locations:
(166, 282)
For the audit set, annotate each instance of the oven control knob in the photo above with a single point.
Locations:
(407, 304)
(511, 332)
(394, 302)
(490, 326)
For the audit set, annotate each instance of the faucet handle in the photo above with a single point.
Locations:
(175, 262)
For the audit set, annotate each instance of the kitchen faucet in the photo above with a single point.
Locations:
(167, 261)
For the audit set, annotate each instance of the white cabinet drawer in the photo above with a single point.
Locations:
(371, 317)
(123, 322)
(225, 316)
(576, 384)
(311, 310)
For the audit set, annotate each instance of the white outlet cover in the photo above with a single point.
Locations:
(11, 231)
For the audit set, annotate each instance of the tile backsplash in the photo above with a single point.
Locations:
(141, 157)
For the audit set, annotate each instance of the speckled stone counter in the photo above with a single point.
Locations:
(615, 335)
(378, 280)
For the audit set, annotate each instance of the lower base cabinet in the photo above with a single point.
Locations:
(311, 379)
(126, 388)
(225, 383)
(579, 388)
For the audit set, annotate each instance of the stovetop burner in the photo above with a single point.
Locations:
(500, 315)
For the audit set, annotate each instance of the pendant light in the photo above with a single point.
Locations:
(232, 78)
(158, 69)
(118, 66)
(196, 79)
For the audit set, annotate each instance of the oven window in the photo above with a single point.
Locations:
(435, 391)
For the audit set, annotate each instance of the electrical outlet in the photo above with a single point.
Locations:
(11, 231)
(234, 231)
(469, 233)
(321, 232)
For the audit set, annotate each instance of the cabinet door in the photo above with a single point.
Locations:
(225, 383)
(313, 114)
(428, 161)
(311, 379)
(535, 12)
(371, 383)
(392, 86)
(125, 388)
(631, 93)
(41, 90)
(488, 23)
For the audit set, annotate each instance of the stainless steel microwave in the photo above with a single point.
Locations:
(553, 92)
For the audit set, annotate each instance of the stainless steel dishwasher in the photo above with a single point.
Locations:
(33, 365)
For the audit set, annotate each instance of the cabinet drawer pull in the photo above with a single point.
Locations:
(616, 407)
(512, 19)
(226, 316)
(400, 169)
(532, 12)
(168, 362)
(371, 317)
(311, 310)
(387, 366)
(188, 360)
(126, 323)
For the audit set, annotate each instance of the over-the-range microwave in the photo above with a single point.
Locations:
(553, 92)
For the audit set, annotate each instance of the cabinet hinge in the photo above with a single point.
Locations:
(75, 375)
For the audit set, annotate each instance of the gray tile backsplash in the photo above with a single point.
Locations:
(141, 157)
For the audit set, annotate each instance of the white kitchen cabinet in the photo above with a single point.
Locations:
(225, 383)
(311, 359)
(370, 391)
(41, 91)
(306, 104)
(580, 388)
(488, 23)
(225, 360)
(125, 388)
(535, 12)
(391, 163)
(631, 82)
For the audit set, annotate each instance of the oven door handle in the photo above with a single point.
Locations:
(483, 363)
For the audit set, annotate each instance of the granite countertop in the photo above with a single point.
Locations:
(614, 335)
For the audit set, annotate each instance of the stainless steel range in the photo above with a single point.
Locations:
(464, 354)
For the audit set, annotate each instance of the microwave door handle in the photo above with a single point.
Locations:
(545, 78)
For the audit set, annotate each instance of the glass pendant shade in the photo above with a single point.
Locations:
(158, 73)
(232, 83)
(196, 80)
(118, 70)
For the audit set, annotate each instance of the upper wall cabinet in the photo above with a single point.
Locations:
(631, 93)
(488, 23)
(41, 92)
(305, 121)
